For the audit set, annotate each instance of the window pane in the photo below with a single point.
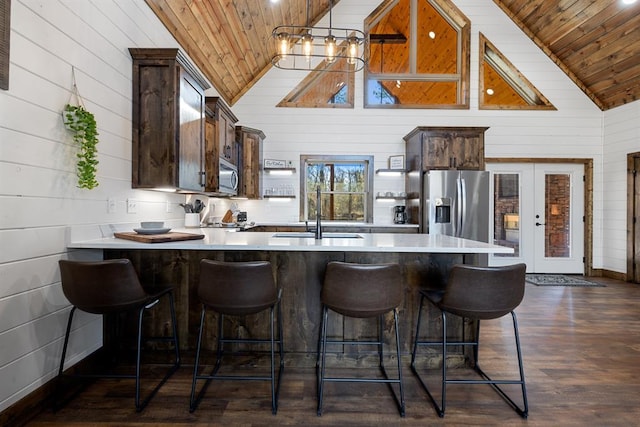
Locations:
(344, 187)
(506, 221)
(389, 46)
(437, 42)
(558, 216)
(411, 93)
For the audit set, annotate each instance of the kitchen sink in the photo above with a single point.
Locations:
(325, 235)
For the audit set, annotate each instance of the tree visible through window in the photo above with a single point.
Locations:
(345, 183)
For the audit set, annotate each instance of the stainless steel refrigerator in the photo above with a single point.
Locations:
(456, 203)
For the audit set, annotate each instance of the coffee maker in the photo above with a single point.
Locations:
(399, 215)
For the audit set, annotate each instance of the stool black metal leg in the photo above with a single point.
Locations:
(416, 339)
(138, 357)
(220, 347)
(280, 343)
(64, 355)
(322, 354)
(381, 341)
(193, 402)
(274, 404)
(476, 346)
(495, 384)
(443, 401)
(399, 357)
(525, 411)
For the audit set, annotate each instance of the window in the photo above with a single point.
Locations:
(345, 184)
(502, 86)
(419, 55)
(323, 90)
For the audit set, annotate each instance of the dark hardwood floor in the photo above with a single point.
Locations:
(581, 351)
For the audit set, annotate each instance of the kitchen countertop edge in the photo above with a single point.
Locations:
(231, 240)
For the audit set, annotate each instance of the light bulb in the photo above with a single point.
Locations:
(283, 44)
(307, 46)
(330, 48)
(352, 49)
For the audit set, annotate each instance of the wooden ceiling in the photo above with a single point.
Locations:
(596, 42)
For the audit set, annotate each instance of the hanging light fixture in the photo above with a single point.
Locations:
(319, 48)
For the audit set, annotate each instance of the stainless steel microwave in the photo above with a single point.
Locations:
(228, 178)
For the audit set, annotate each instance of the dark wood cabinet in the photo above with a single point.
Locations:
(249, 161)
(430, 148)
(445, 148)
(219, 140)
(168, 121)
(224, 135)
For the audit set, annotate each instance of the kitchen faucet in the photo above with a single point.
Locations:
(318, 230)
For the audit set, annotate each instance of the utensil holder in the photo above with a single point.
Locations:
(192, 220)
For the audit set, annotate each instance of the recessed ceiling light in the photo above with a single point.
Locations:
(489, 91)
(629, 1)
(432, 35)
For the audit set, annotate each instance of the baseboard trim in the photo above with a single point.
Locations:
(601, 272)
(20, 413)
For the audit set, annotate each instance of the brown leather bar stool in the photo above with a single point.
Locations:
(477, 293)
(108, 287)
(238, 289)
(361, 291)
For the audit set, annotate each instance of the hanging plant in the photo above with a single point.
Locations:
(82, 124)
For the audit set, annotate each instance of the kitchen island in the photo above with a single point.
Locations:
(298, 266)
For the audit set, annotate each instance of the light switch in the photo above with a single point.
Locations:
(132, 206)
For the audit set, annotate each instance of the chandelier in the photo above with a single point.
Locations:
(319, 48)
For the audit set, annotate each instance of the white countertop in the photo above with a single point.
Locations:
(231, 240)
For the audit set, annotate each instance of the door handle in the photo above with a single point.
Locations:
(539, 224)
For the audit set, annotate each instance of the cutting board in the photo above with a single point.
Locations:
(158, 238)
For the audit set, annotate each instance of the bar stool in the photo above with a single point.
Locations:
(360, 291)
(238, 289)
(109, 287)
(476, 293)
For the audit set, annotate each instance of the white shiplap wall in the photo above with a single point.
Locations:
(622, 136)
(574, 130)
(39, 200)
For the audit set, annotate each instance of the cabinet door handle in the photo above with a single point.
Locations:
(203, 178)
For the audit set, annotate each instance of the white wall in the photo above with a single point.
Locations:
(621, 137)
(37, 183)
(574, 130)
(40, 200)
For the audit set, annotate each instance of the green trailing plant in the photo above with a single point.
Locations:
(82, 125)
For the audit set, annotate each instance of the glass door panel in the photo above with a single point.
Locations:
(557, 195)
(538, 211)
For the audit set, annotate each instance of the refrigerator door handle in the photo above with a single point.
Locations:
(462, 195)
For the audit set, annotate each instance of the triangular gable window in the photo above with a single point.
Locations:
(502, 86)
(323, 89)
(419, 55)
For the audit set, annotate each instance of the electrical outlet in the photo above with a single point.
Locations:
(169, 207)
(112, 205)
(132, 206)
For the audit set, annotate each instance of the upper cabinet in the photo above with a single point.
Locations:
(168, 121)
(220, 135)
(250, 161)
(445, 148)
(225, 129)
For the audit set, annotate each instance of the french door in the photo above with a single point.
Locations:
(538, 210)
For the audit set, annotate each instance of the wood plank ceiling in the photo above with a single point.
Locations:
(596, 42)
